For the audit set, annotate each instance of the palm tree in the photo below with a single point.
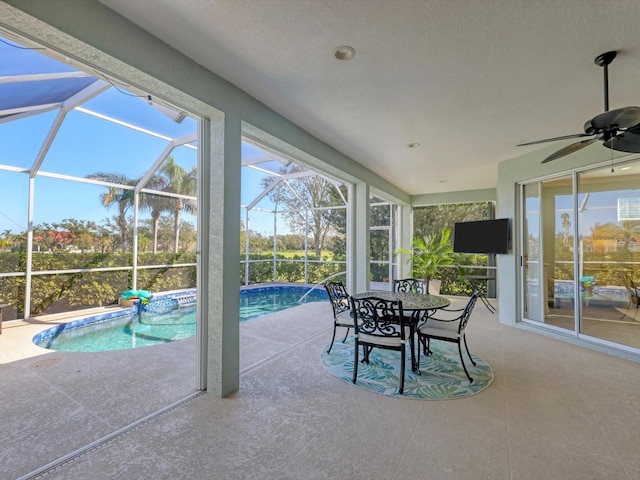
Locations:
(566, 227)
(122, 198)
(156, 204)
(182, 182)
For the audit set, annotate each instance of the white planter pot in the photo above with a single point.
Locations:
(434, 286)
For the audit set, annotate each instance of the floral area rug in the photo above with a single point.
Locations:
(442, 375)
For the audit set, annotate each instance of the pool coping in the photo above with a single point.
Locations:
(50, 333)
(16, 339)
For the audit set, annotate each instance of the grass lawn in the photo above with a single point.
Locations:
(326, 255)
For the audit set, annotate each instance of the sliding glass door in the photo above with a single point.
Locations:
(609, 222)
(580, 253)
(547, 260)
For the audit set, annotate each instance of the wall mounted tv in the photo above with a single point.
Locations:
(482, 236)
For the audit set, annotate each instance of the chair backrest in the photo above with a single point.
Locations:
(464, 318)
(338, 297)
(379, 317)
(411, 285)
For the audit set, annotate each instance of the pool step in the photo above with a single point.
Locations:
(164, 305)
(186, 299)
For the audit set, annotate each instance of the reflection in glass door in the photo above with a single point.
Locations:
(548, 246)
(581, 253)
(530, 259)
(609, 225)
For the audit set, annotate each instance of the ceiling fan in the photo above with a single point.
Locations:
(618, 129)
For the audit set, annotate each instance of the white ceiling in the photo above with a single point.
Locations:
(467, 79)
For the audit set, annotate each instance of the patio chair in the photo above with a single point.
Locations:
(339, 299)
(411, 285)
(379, 323)
(448, 330)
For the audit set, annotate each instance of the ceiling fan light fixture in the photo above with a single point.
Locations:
(344, 52)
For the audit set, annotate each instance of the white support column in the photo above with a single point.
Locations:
(274, 273)
(306, 245)
(247, 244)
(221, 162)
(134, 262)
(361, 245)
(405, 237)
(29, 247)
(350, 265)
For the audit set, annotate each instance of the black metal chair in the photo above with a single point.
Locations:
(379, 323)
(339, 299)
(411, 285)
(448, 330)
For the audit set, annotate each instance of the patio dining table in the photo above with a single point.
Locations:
(418, 306)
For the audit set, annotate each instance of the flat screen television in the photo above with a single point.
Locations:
(482, 236)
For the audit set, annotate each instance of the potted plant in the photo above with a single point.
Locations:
(427, 255)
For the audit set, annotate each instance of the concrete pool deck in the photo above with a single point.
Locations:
(54, 403)
(16, 338)
(555, 410)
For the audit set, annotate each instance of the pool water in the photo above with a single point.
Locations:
(255, 302)
(148, 328)
(125, 332)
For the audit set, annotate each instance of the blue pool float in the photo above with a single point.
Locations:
(142, 294)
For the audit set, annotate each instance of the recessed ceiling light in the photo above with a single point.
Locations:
(344, 52)
(442, 181)
(625, 168)
(413, 145)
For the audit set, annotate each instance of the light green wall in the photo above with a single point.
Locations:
(465, 196)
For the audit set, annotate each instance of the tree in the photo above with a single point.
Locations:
(566, 227)
(156, 204)
(435, 219)
(306, 195)
(182, 182)
(629, 229)
(121, 198)
(610, 232)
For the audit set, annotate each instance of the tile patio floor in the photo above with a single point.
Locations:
(554, 411)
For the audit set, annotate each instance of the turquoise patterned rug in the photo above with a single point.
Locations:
(442, 374)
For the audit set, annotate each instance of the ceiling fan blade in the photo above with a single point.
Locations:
(554, 139)
(625, 117)
(626, 142)
(574, 147)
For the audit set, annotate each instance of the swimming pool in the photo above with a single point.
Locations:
(166, 319)
(258, 301)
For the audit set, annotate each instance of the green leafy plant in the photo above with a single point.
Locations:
(428, 254)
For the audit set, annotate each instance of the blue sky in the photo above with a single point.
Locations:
(601, 208)
(85, 145)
